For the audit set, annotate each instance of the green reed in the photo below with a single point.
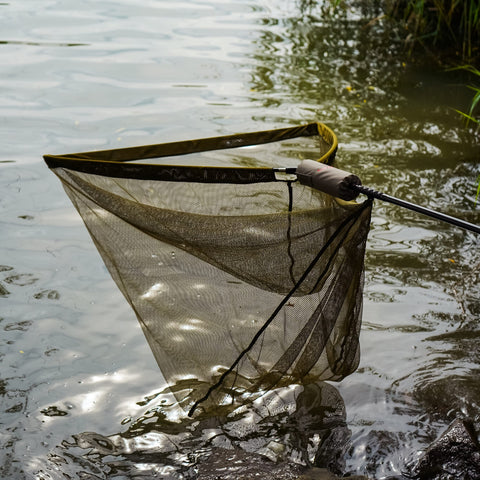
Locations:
(470, 116)
(452, 25)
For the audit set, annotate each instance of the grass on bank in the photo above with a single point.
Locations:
(449, 30)
(476, 97)
(449, 26)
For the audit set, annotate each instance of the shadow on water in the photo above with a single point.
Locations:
(282, 435)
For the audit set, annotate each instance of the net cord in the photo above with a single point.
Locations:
(287, 297)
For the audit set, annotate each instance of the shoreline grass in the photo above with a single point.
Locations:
(449, 27)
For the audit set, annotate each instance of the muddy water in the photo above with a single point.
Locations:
(79, 387)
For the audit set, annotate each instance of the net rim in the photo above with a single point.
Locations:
(116, 162)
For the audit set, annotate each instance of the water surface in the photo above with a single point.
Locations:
(96, 75)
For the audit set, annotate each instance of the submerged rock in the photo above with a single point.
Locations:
(237, 464)
(444, 397)
(455, 454)
(325, 474)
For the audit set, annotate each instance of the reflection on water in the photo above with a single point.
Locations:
(73, 357)
(40, 44)
(279, 436)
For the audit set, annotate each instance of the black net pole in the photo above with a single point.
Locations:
(416, 208)
(347, 186)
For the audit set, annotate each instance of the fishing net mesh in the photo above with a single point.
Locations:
(235, 274)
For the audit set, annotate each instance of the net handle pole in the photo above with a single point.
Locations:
(416, 208)
(346, 186)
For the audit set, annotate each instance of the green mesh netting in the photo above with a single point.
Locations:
(242, 279)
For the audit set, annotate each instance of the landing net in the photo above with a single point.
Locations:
(241, 278)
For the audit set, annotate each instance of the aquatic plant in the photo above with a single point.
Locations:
(470, 116)
(452, 26)
(450, 31)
